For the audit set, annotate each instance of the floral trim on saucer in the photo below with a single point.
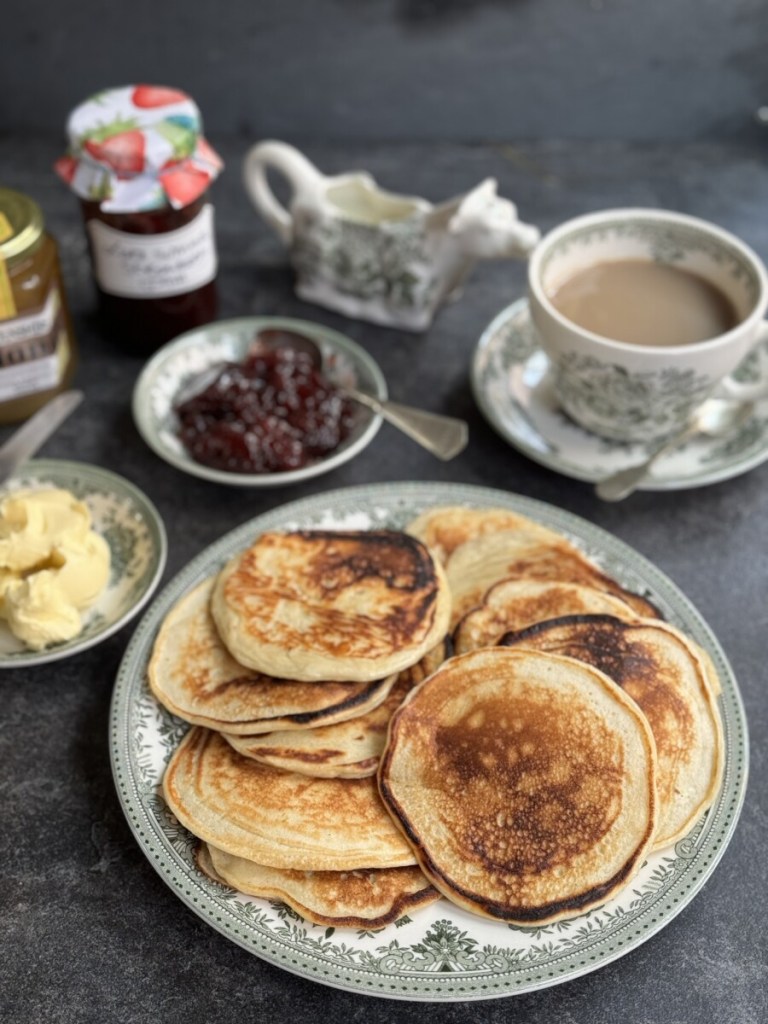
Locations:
(515, 391)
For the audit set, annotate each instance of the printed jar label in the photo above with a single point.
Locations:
(31, 349)
(154, 266)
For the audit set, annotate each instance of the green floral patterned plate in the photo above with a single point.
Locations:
(514, 391)
(132, 528)
(442, 952)
(171, 370)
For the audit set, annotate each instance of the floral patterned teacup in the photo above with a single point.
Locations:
(392, 259)
(632, 392)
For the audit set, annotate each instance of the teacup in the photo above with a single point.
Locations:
(630, 391)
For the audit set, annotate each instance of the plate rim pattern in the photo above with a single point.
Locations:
(690, 864)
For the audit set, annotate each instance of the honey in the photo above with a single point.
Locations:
(37, 347)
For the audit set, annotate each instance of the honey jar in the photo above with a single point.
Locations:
(37, 347)
(139, 164)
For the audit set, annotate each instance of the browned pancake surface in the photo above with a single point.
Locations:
(280, 819)
(524, 784)
(341, 604)
(517, 603)
(349, 749)
(474, 567)
(366, 899)
(193, 674)
(445, 528)
(655, 665)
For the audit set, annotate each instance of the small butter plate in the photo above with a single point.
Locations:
(513, 388)
(170, 371)
(134, 531)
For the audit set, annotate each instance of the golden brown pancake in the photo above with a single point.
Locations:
(280, 819)
(193, 675)
(514, 604)
(348, 750)
(655, 665)
(347, 605)
(366, 899)
(524, 783)
(446, 528)
(475, 566)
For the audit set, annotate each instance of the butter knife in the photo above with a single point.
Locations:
(23, 444)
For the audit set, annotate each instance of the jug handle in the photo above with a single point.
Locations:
(300, 173)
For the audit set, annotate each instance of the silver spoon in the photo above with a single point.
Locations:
(443, 436)
(717, 417)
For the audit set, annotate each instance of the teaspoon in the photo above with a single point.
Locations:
(716, 417)
(443, 436)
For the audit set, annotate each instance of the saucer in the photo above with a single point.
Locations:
(129, 523)
(514, 390)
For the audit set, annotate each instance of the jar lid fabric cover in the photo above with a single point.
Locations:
(139, 147)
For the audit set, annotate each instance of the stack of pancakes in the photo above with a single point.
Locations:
(349, 761)
(289, 663)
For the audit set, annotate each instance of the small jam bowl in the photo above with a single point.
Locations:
(175, 366)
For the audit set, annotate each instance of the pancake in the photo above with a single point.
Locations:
(475, 566)
(315, 605)
(444, 529)
(655, 665)
(193, 675)
(349, 750)
(524, 783)
(280, 819)
(515, 604)
(342, 899)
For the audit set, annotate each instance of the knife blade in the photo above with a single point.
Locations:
(23, 444)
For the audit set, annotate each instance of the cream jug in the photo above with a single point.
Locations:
(374, 255)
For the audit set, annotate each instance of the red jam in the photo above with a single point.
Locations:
(139, 323)
(272, 413)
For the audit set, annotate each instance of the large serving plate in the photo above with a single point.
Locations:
(443, 953)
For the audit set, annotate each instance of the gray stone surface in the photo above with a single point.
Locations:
(89, 931)
(462, 70)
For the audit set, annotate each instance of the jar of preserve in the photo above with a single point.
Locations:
(37, 347)
(139, 163)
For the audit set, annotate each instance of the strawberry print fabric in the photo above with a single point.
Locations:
(139, 147)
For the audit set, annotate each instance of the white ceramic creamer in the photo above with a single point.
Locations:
(375, 255)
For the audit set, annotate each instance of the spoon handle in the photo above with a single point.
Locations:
(444, 436)
(622, 484)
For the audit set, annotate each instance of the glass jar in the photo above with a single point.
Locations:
(135, 310)
(142, 170)
(37, 346)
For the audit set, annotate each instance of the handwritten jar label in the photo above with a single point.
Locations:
(154, 266)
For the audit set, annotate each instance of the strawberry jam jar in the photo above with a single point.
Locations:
(141, 168)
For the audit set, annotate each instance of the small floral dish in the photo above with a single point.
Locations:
(134, 532)
(172, 371)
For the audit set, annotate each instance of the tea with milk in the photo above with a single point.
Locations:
(641, 302)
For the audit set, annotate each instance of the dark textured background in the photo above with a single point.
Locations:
(582, 105)
(463, 70)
